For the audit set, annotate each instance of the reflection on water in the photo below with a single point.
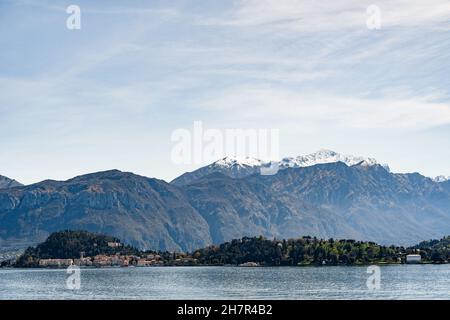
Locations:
(397, 282)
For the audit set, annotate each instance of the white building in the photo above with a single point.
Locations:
(114, 244)
(55, 262)
(413, 258)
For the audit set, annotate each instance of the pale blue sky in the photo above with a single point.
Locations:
(110, 95)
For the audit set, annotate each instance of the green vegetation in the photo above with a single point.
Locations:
(70, 244)
(313, 251)
(436, 251)
(303, 251)
(293, 252)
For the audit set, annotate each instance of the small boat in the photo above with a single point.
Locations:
(249, 264)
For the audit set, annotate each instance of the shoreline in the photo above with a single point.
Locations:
(222, 266)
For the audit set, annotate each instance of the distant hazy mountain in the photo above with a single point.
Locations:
(365, 202)
(8, 183)
(243, 167)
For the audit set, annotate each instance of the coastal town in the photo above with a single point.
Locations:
(117, 260)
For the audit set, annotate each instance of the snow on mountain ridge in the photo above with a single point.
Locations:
(239, 167)
(320, 157)
(240, 161)
(325, 156)
(441, 179)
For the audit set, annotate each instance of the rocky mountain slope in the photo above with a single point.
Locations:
(8, 183)
(325, 200)
(230, 166)
(147, 213)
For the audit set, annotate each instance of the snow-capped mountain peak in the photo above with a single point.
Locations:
(320, 157)
(441, 178)
(325, 156)
(239, 167)
(239, 161)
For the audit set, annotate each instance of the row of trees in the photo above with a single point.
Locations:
(435, 250)
(292, 252)
(313, 251)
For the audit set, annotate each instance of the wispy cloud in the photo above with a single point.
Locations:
(396, 110)
(311, 16)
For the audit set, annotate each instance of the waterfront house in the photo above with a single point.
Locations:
(86, 262)
(56, 263)
(145, 263)
(114, 244)
(413, 258)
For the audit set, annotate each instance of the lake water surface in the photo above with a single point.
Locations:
(397, 282)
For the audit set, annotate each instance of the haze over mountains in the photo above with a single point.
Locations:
(324, 195)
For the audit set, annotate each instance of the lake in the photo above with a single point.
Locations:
(396, 282)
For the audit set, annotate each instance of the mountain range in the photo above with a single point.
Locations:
(236, 167)
(326, 194)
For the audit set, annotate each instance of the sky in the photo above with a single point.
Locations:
(110, 94)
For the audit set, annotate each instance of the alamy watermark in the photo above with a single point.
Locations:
(199, 145)
(270, 169)
(374, 280)
(73, 22)
(73, 281)
(373, 21)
